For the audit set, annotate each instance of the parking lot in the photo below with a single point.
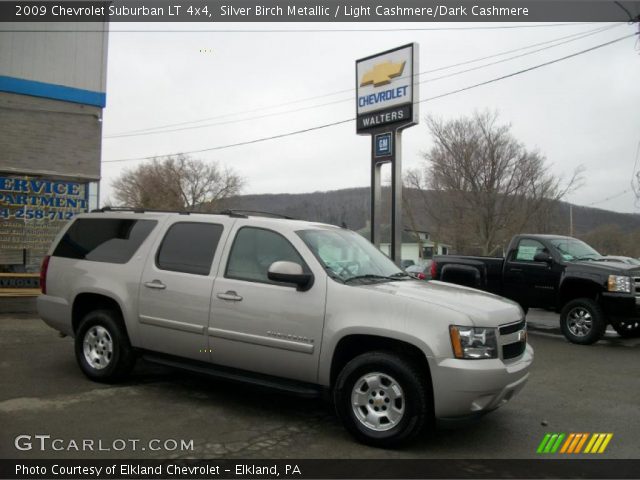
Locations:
(42, 392)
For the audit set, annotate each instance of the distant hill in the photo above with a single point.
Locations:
(351, 206)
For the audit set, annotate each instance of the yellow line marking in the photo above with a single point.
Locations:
(606, 442)
(591, 442)
(596, 445)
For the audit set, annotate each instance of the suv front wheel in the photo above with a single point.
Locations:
(102, 347)
(382, 399)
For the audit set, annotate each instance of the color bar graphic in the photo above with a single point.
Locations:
(574, 443)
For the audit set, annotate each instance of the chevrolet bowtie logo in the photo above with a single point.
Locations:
(382, 74)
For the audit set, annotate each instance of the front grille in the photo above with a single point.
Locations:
(514, 327)
(636, 281)
(513, 350)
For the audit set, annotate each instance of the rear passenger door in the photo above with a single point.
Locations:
(175, 288)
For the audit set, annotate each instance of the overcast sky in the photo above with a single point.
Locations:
(582, 111)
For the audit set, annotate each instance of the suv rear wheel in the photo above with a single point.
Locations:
(382, 399)
(102, 347)
(582, 321)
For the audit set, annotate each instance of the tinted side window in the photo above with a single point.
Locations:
(189, 247)
(253, 252)
(527, 249)
(111, 240)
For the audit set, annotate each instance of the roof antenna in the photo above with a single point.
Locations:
(344, 225)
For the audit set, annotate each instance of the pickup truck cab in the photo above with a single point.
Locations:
(562, 273)
(304, 307)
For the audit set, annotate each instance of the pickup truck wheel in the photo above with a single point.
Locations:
(102, 347)
(628, 328)
(381, 399)
(582, 321)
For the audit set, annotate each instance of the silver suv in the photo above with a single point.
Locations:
(305, 307)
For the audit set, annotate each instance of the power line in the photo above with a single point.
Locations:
(161, 128)
(617, 195)
(535, 67)
(311, 30)
(319, 127)
(248, 142)
(350, 99)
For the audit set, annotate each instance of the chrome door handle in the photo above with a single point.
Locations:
(230, 295)
(157, 284)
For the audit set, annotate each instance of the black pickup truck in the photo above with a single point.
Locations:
(560, 273)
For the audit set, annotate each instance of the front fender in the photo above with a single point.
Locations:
(353, 310)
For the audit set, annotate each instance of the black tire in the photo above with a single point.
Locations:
(592, 311)
(628, 328)
(416, 400)
(105, 325)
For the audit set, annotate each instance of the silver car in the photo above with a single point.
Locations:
(304, 307)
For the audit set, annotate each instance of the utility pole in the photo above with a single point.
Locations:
(570, 220)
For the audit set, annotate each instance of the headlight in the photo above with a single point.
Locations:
(473, 342)
(619, 283)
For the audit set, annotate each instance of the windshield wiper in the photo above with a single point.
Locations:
(400, 275)
(369, 276)
(586, 257)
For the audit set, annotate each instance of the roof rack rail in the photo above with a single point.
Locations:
(140, 210)
(238, 213)
(244, 213)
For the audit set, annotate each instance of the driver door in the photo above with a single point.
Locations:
(530, 283)
(260, 325)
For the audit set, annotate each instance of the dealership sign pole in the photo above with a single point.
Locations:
(386, 104)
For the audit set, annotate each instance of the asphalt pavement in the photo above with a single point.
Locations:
(42, 392)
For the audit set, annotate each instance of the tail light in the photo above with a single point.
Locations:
(421, 276)
(433, 270)
(43, 274)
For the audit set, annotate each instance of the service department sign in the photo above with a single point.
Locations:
(386, 86)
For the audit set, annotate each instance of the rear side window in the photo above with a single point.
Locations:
(110, 240)
(189, 247)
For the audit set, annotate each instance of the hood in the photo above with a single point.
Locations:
(483, 309)
(606, 268)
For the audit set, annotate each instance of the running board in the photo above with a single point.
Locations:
(301, 389)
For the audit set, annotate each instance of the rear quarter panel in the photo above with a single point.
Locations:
(67, 278)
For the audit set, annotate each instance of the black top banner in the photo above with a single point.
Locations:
(319, 11)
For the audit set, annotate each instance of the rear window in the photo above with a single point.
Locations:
(189, 247)
(110, 240)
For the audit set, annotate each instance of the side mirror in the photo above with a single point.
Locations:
(290, 272)
(542, 257)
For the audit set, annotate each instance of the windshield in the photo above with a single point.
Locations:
(347, 256)
(572, 249)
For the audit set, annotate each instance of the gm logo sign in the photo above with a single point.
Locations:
(574, 443)
(383, 145)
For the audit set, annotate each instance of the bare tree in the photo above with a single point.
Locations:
(175, 183)
(490, 186)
